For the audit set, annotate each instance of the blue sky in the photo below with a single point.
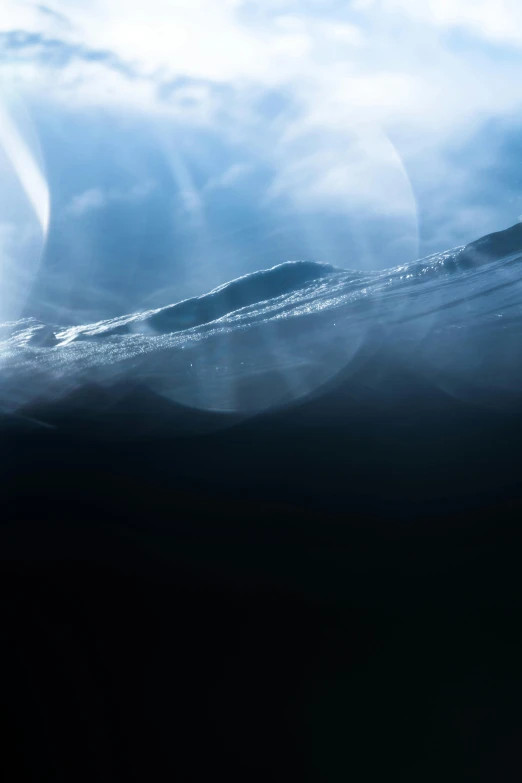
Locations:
(150, 151)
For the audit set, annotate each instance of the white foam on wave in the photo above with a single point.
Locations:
(277, 335)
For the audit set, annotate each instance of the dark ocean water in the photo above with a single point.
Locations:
(272, 533)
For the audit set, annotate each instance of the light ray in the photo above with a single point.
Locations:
(27, 169)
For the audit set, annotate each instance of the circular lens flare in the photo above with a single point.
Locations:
(340, 198)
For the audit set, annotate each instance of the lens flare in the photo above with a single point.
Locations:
(24, 208)
(26, 168)
(343, 198)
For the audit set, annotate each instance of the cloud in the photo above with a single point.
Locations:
(353, 172)
(19, 45)
(61, 19)
(495, 20)
(390, 66)
(382, 62)
(96, 199)
(87, 201)
(230, 177)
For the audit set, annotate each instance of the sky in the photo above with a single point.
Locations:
(151, 151)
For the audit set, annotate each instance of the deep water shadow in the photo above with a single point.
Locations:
(326, 591)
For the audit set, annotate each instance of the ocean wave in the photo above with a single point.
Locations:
(278, 335)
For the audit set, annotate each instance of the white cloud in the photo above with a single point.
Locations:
(216, 41)
(496, 20)
(384, 65)
(96, 198)
(359, 171)
(381, 61)
(87, 201)
(230, 177)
